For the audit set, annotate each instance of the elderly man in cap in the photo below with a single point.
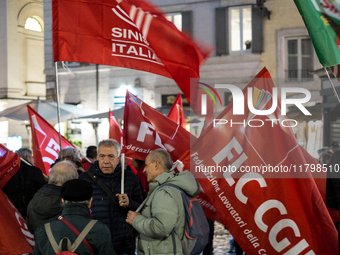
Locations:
(76, 197)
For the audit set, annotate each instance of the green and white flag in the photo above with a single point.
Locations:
(322, 19)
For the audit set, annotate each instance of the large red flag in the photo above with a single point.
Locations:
(282, 214)
(147, 129)
(176, 112)
(45, 140)
(14, 235)
(115, 132)
(9, 165)
(133, 34)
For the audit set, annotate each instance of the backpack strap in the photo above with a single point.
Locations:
(51, 237)
(104, 187)
(81, 236)
(65, 241)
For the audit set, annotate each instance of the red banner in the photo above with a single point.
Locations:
(146, 129)
(176, 112)
(14, 235)
(115, 132)
(9, 165)
(254, 173)
(45, 140)
(133, 34)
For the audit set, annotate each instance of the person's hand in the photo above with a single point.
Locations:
(123, 200)
(131, 216)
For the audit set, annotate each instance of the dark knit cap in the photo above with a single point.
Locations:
(76, 190)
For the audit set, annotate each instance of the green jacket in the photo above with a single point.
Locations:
(163, 213)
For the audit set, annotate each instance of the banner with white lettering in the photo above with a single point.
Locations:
(115, 131)
(45, 140)
(254, 173)
(146, 129)
(14, 235)
(132, 34)
(9, 165)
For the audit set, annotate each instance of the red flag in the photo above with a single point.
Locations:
(9, 165)
(176, 112)
(147, 129)
(45, 140)
(283, 214)
(116, 132)
(14, 235)
(133, 34)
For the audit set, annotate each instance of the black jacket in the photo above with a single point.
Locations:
(21, 188)
(78, 215)
(44, 207)
(108, 212)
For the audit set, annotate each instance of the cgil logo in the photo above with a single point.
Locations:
(238, 100)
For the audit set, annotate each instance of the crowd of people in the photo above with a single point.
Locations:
(79, 207)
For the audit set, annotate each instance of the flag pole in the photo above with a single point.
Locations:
(58, 109)
(334, 90)
(122, 163)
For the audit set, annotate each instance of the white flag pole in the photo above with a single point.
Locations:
(122, 163)
(58, 109)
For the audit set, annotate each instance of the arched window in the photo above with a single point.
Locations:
(33, 24)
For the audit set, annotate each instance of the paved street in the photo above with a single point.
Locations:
(221, 240)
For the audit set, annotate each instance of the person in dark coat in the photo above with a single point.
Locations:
(76, 197)
(21, 188)
(45, 205)
(111, 213)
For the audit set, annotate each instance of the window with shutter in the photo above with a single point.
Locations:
(182, 20)
(239, 29)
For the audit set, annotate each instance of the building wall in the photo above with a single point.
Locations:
(21, 61)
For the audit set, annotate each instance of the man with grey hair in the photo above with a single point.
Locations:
(109, 211)
(45, 205)
(162, 219)
(73, 155)
(21, 188)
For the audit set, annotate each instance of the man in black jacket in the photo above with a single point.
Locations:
(45, 205)
(76, 199)
(113, 213)
(21, 188)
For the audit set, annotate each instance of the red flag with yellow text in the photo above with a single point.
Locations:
(146, 129)
(115, 132)
(9, 165)
(255, 174)
(45, 140)
(14, 235)
(176, 112)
